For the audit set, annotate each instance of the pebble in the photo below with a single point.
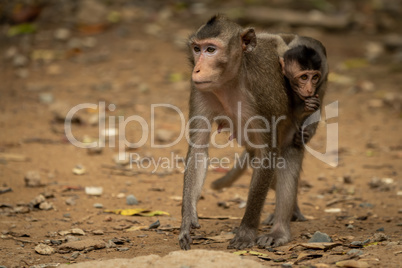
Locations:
(350, 226)
(37, 200)
(45, 205)
(20, 61)
(154, 225)
(379, 237)
(98, 232)
(93, 190)
(98, 205)
(381, 229)
(110, 244)
(357, 252)
(44, 249)
(319, 237)
(10, 53)
(122, 249)
(32, 179)
(71, 238)
(56, 242)
(70, 201)
(46, 98)
(131, 200)
(120, 195)
(67, 215)
(62, 34)
(79, 170)
(366, 205)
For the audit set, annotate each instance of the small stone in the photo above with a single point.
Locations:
(32, 179)
(319, 237)
(154, 225)
(56, 242)
(98, 232)
(77, 231)
(92, 190)
(75, 255)
(122, 249)
(333, 210)
(46, 98)
(120, 195)
(366, 205)
(98, 205)
(357, 244)
(10, 53)
(71, 238)
(37, 200)
(70, 201)
(110, 244)
(44, 249)
(67, 215)
(379, 237)
(131, 200)
(46, 205)
(356, 252)
(79, 170)
(62, 34)
(381, 229)
(350, 226)
(20, 61)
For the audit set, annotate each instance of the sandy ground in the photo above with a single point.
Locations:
(135, 70)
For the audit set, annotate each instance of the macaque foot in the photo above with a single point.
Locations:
(245, 238)
(273, 239)
(185, 239)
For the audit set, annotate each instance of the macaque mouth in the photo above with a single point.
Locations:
(202, 82)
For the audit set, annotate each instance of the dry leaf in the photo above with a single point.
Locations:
(137, 212)
(352, 264)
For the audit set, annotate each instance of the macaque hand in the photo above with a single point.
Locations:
(301, 137)
(312, 104)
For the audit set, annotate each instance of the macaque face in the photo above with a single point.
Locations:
(210, 62)
(303, 82)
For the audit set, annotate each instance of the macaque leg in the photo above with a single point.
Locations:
(233, 175)
(194, 177)
(286, 198)
(297, 215)
(247, 232)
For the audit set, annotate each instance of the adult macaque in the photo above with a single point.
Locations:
(314, 59)
(235, 68)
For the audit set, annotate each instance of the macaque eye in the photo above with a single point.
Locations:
(196, 49)
(211, 49)
(304, 77)
(316, 77)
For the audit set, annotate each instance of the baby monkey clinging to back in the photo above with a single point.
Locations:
(304, 64)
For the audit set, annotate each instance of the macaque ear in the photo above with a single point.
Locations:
(282, 62)
(249, 40)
